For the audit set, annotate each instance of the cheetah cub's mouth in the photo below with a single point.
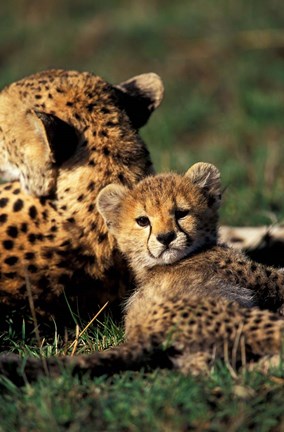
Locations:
(169, 254)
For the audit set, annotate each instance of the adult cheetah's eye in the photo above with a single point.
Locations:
(143, 221)
(180, 214)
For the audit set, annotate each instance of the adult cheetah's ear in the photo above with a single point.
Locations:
(50, 142)
(208, 178)
(62, 138)
(109, 202)
(140, 96)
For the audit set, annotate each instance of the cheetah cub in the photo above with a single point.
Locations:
(167, 228)
(181, 314)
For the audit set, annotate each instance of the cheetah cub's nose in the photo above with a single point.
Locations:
(166, 238)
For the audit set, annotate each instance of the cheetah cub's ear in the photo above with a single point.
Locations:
(109, 203)
(208, 178)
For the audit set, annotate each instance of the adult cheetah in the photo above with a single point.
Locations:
(63, 136)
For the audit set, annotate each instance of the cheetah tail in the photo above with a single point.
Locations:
(127, 356)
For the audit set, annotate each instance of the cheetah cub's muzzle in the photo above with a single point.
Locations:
(168, 247)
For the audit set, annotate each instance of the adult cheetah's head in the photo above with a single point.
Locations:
(44, 119)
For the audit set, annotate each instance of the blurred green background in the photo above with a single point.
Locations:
(222, 63)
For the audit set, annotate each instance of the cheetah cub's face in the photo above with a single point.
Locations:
(165, 217)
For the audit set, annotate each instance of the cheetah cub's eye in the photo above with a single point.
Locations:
(143, 221)
(180, 214)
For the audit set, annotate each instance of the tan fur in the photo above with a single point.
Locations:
(180, 315)
(65, 135)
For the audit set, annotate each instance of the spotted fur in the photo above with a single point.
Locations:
(63, 136)
(181, 315)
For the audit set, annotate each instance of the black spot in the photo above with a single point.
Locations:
(8, 187)
(16, 191)
(77, 116)
(93, 226)
(12, 231)
(32, 268)
(71, 220)
(91, 207)
(92, 163)
(44, 214)
(122, 178)
(111, 124)
(59, 90)
(8, 244)
(80, 197)
(91, 186)
(102, 237)
(90, 106)
(24, 227)
(32, 238)
(54, 228)
(11, 260)
(3, 202)
(38, 96)
(106, 151)
(33, 212)
(18, 205)
(268, 272)
(3, 218)
(103, 133)
(47, 254)
(42, 200)
(105, 110)
(253, 267)
(69, 103)
(29, 255)
(67, 189)
(64, 207)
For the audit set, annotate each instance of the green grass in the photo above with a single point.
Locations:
(137, 401)
(222, 63)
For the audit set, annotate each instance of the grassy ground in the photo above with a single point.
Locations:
(137, 401)
(159, 401)
(223, 67)
(222, 63)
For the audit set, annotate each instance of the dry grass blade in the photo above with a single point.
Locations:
(236, 345)
(34, 318)
(75, 342)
